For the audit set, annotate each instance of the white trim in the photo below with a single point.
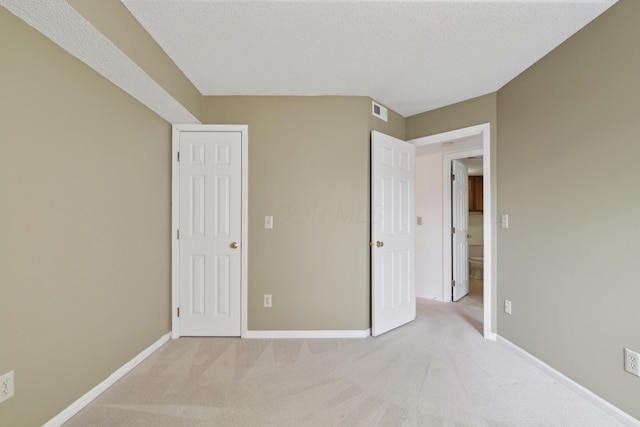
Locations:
(451, 135)
(175, 224)
(244, 287)
(88, 397)
(175, 219)
(308, 334)
(582, 391)
(491, 336)
(483, 130)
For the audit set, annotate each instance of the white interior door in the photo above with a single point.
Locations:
(210, 233)
(393, 296)
(460, 223)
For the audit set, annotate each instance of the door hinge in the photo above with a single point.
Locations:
(178, 156)
(453, 283)
(453, 177)
(178, 234)
(178, 310)
(453, 230)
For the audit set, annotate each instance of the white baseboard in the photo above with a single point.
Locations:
(607, 407)
(430, 298)
(76, 406)
(308, 334)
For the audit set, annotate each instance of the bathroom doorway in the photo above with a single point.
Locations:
(475, 228)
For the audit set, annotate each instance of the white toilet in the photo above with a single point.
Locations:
(476, 267)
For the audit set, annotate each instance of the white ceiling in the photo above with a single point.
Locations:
(412, 56)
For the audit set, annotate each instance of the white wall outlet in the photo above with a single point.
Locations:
(6, 386)
(632, 362)
(504, 221)
(507, 306)
(268, 222)
(267, 300)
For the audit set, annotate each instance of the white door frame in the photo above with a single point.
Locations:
(175, 218)
(490, 220)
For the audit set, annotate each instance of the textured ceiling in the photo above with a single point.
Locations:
(411, 56)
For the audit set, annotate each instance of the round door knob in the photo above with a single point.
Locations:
(234, 245)
(379, 244)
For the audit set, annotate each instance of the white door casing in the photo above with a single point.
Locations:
(393, 300)
(460, 228)
(488, 152)
(210, 218)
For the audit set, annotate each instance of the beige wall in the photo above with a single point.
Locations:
(568, 177)
(309, 168)
(463, 114)
(85, 253)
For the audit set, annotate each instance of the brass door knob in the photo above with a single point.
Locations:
(379, 244)
(234, 245)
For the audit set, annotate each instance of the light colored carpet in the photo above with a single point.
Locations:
(436, 371)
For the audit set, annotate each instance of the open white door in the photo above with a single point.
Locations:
(460, 223)
(393, 297)
(210, 233)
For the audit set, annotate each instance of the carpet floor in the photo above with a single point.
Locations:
(435, 371)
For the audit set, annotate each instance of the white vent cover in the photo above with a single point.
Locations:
(379, 111)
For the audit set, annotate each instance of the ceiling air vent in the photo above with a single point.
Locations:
(379, 111)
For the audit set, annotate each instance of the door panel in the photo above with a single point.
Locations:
(210, 221)
(460, 223)
(392, 233)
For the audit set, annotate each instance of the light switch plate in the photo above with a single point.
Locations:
(505, 221)
(6, 386)
(268, 222)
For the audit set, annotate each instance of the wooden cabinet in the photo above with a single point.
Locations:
(475, 194)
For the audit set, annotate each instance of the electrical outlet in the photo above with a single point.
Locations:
(267, 300)
(507, 306)
(6, 386)
(632, 362)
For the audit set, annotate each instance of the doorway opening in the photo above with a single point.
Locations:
(475, 229)
(463, 143)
